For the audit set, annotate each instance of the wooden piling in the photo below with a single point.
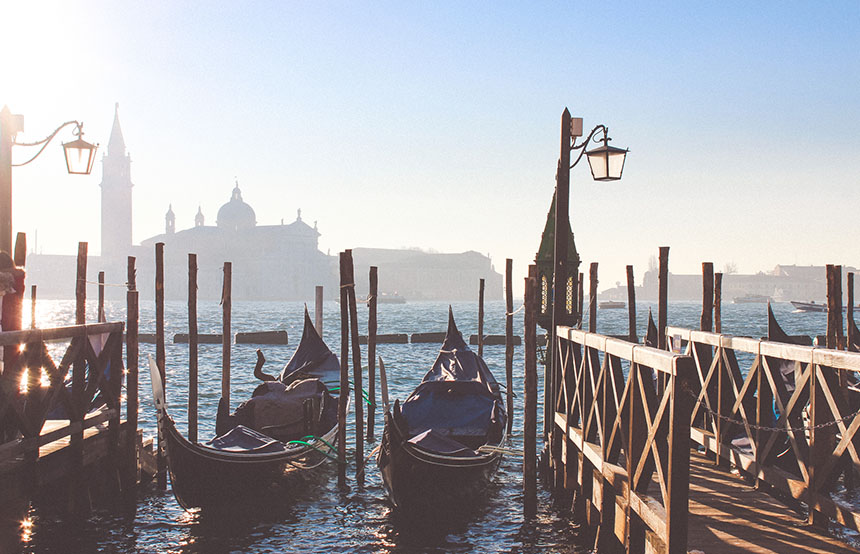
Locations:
(480, 317)
(193, 350)
(718, 302)
(530, 396)
(81, 285)
(318, 310)
(850, 340)
(592, 298)
(226, 334)
(707, 319)
(822, 436)
(835, 336)
(356, 370)
(580, 297)
(663, 297)
(373, 290)
(32, 306)
(101, 306)
(161, 457)
(509, 341)
(632, 334)
(78, 499)
(343, 395)
(131, 277)
(132, 352)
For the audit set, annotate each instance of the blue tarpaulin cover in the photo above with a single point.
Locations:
(458, 398)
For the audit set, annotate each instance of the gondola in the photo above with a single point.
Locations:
(441, 447)
(287, 428)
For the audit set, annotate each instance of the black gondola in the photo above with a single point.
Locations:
(441, 447)
(287, 428)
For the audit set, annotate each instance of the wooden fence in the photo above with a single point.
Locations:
(620, 443)
(784, 414)
(47, 406)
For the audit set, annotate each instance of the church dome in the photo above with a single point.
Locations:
(236, 214)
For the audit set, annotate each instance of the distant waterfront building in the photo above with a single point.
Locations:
(417, 275)
(269, 262)
(782, 284)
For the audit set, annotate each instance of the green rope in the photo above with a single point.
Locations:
(364, 394)
(309, 445)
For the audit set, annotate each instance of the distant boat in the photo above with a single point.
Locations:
(611, 305)
(751, 299)
(809, 306)
(385, 298)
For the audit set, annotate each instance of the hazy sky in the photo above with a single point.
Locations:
(436, 124)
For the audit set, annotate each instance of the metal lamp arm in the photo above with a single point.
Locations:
(581, 146)
(47, 140)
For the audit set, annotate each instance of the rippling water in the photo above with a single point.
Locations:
(321, 517)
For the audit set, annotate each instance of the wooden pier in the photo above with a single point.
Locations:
(66, 428)
(714, 444)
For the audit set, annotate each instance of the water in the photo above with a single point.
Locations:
(321, 517)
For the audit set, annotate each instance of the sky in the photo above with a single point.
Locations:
(435, 125)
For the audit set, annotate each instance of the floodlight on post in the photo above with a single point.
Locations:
(79, 155)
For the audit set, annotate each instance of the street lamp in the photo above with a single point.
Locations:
(79, 155)
(607, 163)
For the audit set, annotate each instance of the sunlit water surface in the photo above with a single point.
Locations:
(320, 517)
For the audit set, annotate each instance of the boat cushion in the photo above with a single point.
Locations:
(435, 441)
(243, 439)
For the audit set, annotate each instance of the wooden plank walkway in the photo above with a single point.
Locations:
(727, 515)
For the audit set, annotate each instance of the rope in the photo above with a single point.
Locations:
(518, 310)
(776, 429)
(123, 285)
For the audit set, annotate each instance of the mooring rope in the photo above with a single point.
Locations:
(123, 285)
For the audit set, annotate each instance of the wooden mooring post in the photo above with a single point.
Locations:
(662, 297)
(480, 318)
(509, 341)
(632, 334)
(343, 394)
(132, 351)
(101, 306)
(850, 338)
(318, 310)
(592, 298)
(193, 351)
(707, 319)
(226, 334)
(530, 395)
(718, 302)
(373, 290)
(161, 456)
(356, 370)
(78, 500)
(32, 306)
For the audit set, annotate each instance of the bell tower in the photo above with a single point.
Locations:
(116, 194)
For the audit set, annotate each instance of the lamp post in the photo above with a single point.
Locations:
(79, 154)
(606, 164)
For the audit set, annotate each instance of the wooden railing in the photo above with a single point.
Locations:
(784, 414)
(42, 401)
(625, 445)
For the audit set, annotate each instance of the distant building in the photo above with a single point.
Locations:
(269, 262)
(782, 284)
(417, 275)
(116, 188)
